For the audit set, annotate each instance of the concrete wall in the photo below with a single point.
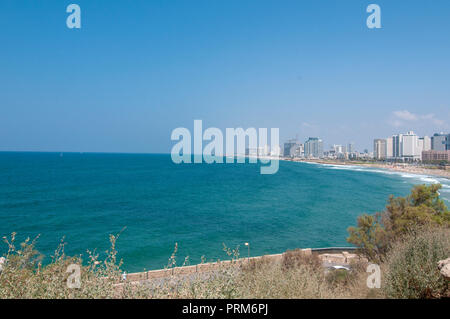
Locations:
(161, 273)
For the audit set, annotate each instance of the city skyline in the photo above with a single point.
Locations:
(400, 146)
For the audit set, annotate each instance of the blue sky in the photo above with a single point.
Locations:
(136, 70)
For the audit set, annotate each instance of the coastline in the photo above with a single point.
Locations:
(397, 167)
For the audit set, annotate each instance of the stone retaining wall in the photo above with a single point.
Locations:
(332, 254)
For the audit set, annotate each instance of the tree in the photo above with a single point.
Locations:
(422, 207)
(369, 236)
(403, 215)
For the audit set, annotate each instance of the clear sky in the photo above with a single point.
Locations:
(136, 70)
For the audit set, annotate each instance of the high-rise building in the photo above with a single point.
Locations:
(426, 142)
(448, 143)
(379, 148)
(439, 142)
(351, 147)
(403, 146)
(389, 147)
(338, 149)
(410, 147)
(397, 145)
(313, 147)
(299, 150)
(289, 148)
(420, 146)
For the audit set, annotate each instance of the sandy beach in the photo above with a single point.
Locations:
(398, 167)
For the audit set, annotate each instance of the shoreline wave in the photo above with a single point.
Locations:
(424, 178)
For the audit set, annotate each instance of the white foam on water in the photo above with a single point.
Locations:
(362, 169)
(341, 167)
(427, 179)
(408, 177)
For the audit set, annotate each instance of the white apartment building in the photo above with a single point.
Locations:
(313, 147)
(339, 149)
(379, 149)
(410, 148)
(402, 146)
(389, 147)
(425, 143)
(299, 151)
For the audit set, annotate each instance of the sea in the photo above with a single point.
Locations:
(154, 204)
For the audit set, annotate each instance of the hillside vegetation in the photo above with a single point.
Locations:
(406, 240)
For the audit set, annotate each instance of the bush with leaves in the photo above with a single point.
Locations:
(374, 234)
(370, 237)
(24, 276)
(411, 265)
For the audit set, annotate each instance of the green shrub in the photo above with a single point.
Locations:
(411, 265)
(370, 237)
(374, 234)
(24, 277)
(294, 276)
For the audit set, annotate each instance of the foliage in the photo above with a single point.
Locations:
(422, 207)
(369, 236)
(412, 265)
(403, 215)
(294, 276)
(24, 276)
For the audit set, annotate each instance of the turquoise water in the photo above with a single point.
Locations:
(85, 197)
